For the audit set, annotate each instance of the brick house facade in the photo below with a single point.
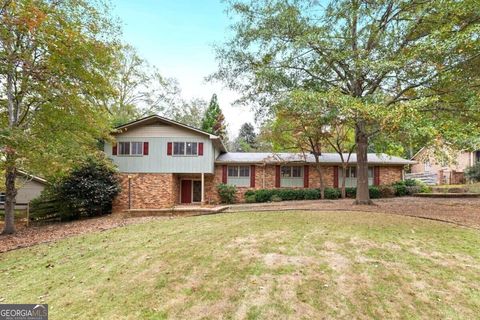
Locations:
(163, 163)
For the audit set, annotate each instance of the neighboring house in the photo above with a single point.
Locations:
(163, 163)
(28, 188)
(428, 167)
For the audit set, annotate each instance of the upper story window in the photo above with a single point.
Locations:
(129, 148)
(292, 172)
(185, 148)
(2, 197)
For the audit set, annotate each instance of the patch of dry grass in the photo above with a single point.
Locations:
(255, 266)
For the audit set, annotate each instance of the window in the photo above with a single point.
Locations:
(239, 171)
(292, 172)
(291, 177)
(2, 197)
(239, 176)
(191, 148)
(136, 148)
(370, 173)
(124, 148)
(352, 172)
(130, 148)
(185, 148)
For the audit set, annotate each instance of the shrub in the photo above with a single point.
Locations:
(411, 190)
(410, 182)
(263, 195)
(386, 191)
(351, 192)
(374, 192)
(473, 173)
(312, 194)
(249, 193)
(275, 198)
(250, 198)
(332, 193)
(400, 188)
(227, 193)
(289, 194)
(88, 190)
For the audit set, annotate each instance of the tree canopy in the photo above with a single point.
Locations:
(55, 61)
(407, 66)
(214, 120)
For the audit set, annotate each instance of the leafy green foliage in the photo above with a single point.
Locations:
(227, 193)
(473, 173)
(374, 192)
(400, 188)
(311, 194)
(408, 69)
(88, 190)
(266, 195)
(246, 140)
(332, 193)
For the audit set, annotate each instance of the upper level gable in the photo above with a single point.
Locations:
(157, 130)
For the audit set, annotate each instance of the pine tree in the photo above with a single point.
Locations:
(214, 120)
(247, 138)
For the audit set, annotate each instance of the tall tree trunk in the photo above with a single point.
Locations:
(10, 194)
(361, 139)
(320, 176)
(344, 178)
(10, 169)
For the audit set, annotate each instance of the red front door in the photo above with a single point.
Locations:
(186, 192)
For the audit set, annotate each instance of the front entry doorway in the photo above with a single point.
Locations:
(191, 191)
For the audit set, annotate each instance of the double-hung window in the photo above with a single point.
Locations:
(185, 148)
(130, 148)
(239, 176)
(2, 197)
(291, 176)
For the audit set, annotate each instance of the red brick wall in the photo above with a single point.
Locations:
(148, 191)
(389, 175)
(152, 190)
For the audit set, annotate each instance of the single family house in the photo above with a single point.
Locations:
(163, 163)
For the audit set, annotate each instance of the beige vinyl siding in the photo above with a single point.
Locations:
(28, 190)
(157, 160)
(158, 130)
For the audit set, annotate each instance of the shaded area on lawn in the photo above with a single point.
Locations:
(255, 265)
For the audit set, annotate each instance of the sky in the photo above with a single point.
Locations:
(177, 36)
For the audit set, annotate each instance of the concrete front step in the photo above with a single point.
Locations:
(174, 211)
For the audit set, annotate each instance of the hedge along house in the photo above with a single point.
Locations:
(163, 163)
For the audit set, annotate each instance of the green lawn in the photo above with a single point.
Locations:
(255, 266)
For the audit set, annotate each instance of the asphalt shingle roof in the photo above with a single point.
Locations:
(260, 157)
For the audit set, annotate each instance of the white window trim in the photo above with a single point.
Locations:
(130, 149)
(2, 197)
(184, 149)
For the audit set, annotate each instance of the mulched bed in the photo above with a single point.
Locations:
(32, 235)
(464, 212)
